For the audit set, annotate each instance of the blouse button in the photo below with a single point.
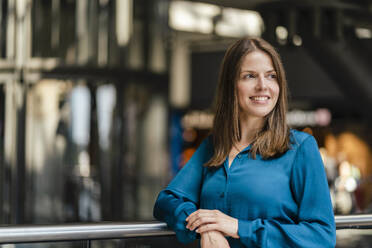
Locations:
(239, 156)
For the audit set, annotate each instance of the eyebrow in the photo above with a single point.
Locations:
(255, 71)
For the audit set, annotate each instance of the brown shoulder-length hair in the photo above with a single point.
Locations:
(273, 139)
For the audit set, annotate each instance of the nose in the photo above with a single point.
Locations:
(261, 83)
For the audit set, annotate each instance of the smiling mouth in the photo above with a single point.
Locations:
(259, 98)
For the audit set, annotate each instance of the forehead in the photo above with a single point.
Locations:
(257, 61)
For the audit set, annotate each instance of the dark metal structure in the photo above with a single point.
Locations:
(74, 41)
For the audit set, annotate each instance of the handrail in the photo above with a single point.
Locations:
(79, 231)
(353, 221)
(111, 230)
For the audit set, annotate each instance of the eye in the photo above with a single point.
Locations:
(248, 75)
(272, 76)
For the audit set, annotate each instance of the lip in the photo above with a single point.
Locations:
(252, 98)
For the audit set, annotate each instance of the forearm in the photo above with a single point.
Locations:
(213, 239)
(263, 232)
(174, 210)
(270, 233)
(212, 236)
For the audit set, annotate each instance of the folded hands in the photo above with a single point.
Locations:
(213, 226)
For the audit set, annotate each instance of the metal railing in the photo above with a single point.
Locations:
(79, 231)
(353, 221)
(95, 231)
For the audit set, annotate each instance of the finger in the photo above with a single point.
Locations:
(195, 219)
(192, 214)
(199, 211)
(198, 215)
(208, 227)
(192, 218)
(202, 221)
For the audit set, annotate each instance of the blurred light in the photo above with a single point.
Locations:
(297, 40)
(80, 115)
(44, 63)
(350, 184)
(179, 88)
(237, 23)
(106, 100)
(204, 9)
(21, 8)
(345, 169)
(198, 17)
(323, 117)
(363, 33)
(281, 33)
(193, 17)
(84, 168)
(197, 119)
(320, 117)
(124, 23)
(323, 155)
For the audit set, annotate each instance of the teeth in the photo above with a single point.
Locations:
(260, 98)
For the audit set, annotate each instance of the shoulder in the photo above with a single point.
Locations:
(299, 138)
(307, 160)
(204, 152)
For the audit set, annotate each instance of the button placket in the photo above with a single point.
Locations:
(227, 172)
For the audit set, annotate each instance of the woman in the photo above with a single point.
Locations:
(253, 182)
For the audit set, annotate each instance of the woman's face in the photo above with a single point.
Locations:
(257, 85)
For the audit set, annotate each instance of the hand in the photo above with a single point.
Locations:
(213, 239)
(212, 220)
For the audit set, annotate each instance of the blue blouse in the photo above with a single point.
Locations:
(280, 202)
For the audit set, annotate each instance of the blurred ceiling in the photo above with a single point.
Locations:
(359, 10)
(244, 4)
(331, 66)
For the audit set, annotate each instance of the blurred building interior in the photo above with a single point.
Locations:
(103, 101)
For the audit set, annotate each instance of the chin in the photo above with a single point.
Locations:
(259, 114)
(256, 112)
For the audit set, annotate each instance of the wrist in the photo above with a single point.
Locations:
(213, 236)
(236, 234)
(211, 233)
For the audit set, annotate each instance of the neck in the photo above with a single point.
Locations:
(249, 127)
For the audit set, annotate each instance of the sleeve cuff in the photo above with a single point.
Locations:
(250, 232)
(183, 234)
(244, 229)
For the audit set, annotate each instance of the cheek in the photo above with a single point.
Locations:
(276, 91)
(243, 94)
(240, 91)
(243, 90)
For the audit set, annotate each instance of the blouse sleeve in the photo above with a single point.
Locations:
(315, 226)
(181, 197)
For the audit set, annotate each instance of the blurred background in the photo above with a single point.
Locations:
(103, 101)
